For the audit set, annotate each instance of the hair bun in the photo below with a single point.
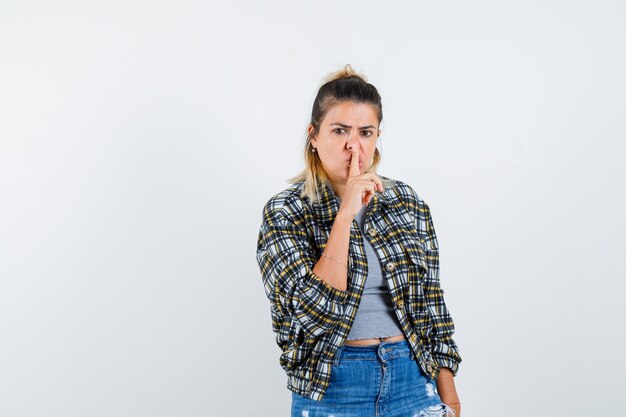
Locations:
(345, 72)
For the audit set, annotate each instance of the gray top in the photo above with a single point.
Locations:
(375, 317)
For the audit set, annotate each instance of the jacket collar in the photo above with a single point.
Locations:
(326, 207)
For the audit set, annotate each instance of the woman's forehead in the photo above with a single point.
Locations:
(351, 115)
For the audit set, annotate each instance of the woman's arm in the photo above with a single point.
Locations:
(447, 390)
(333, 267)
(444, 348)
(306, 291)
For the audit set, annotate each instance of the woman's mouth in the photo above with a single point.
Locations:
(350, 162)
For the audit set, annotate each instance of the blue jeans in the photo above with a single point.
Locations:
(380, 380)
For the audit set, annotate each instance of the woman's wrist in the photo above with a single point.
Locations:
(336, 260)
(446, 387)
(343, 217)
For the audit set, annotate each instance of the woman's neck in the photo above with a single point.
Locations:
(339, 189)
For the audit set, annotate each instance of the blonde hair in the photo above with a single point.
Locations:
(337, 87)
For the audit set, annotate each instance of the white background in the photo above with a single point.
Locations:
(139, 141)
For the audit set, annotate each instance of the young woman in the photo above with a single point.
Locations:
(350, 265)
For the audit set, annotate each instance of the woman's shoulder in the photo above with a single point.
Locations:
(286, 200)
(401, 190)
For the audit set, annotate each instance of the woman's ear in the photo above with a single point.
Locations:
(310, 131)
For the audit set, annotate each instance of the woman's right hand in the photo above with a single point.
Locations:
(360, 188)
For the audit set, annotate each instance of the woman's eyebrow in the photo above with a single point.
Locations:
(350, 127)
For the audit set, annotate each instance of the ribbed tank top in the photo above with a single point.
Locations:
(375, 317)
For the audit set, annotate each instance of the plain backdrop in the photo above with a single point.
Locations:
(139, 141)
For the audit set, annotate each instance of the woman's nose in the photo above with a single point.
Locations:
(353, 140)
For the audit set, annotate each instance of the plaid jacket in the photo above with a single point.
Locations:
(311, 319)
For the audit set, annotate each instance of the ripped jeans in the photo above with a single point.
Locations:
(380, 380)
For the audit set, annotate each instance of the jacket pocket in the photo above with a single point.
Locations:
(416, 269)
(416, 257)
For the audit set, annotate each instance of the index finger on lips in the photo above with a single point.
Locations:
(354, 163)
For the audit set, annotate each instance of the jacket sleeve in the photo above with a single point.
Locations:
(444, 349)
(303, 305)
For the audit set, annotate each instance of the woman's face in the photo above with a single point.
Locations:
(345, 125)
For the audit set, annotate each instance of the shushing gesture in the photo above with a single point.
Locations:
(360, 188)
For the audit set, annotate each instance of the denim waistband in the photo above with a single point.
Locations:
(376, 352)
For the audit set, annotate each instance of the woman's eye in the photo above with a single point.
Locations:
(366, 133)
